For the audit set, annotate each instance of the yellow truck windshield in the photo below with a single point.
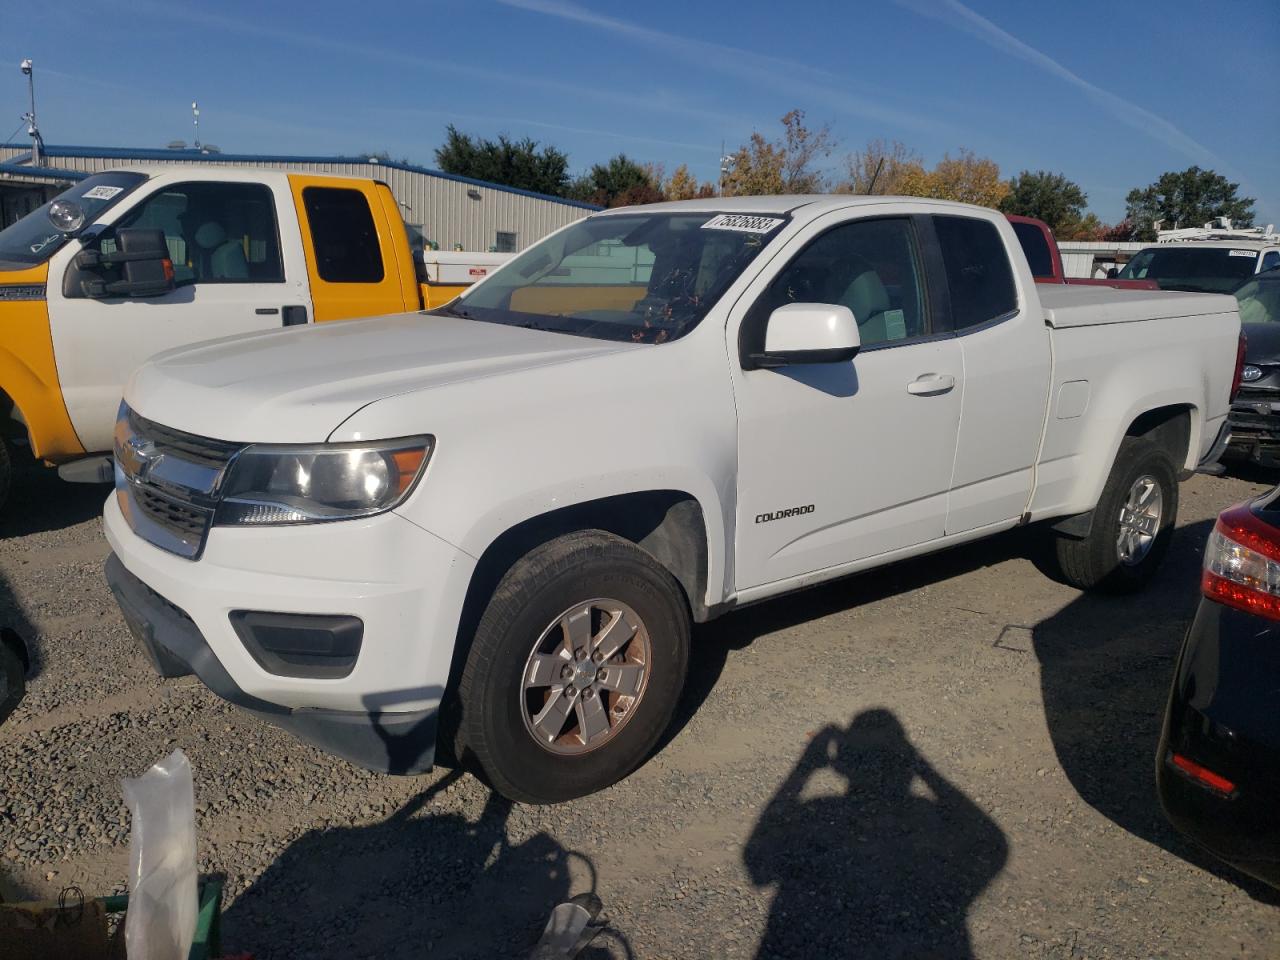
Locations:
(33, 239)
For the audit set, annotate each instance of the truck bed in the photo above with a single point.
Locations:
(1072, 305)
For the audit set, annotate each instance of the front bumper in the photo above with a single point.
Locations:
(405, 585)
(1255, 429)
(1223, 716)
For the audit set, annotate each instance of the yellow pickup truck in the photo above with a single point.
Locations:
(129, 263)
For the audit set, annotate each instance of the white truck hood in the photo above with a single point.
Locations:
(298, 385)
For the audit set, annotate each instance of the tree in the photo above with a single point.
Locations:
(621, 182)
(786, 165)
(879, 168)
(514, 163)
(1050, 197)
(966, 178)
(1190, 198)
(684, 186)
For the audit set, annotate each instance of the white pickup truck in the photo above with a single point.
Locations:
(489, 528)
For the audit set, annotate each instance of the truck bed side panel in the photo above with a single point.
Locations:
(1106, 376)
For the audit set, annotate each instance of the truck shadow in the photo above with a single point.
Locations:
(40, 502)
(886, 865)
(1106, 663)
(421, 883)
(715, 642)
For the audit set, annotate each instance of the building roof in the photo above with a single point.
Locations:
(144, 155)
(39, 173)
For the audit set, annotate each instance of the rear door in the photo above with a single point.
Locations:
(238, 269)
(351, 245)
(1005, 347)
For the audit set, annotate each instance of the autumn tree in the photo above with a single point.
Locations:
(785, 165)
(514, 163)
(966, 178)
(683, 185)
(1190, 198)
(879, 168)
(620, 182)
(1050, 197)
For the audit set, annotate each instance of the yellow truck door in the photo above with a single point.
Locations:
(358, 257)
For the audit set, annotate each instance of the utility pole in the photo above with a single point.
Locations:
(195, 118)
(33, 130)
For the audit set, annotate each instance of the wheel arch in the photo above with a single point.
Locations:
(669, 525)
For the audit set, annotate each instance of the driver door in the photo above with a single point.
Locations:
(230, 278)
(839, 462)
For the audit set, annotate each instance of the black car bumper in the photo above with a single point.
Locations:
(1224, 715)
(401, 743)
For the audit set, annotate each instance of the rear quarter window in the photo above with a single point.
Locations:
(979, 277)
(343, 235)
(1035, 248)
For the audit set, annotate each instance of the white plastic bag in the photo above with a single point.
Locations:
(161, 920)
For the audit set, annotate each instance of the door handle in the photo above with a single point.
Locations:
(931, 384)
(267, 311)
(294, 315)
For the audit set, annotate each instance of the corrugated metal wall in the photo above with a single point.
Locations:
(445, 209)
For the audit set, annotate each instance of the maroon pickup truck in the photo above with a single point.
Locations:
(1041, 249)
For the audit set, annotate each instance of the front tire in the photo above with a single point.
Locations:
(576, 668)
(1132, 524)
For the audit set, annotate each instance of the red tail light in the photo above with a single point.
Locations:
(1242, 563)
(1236, 377)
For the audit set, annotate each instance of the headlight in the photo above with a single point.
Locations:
(294, 484)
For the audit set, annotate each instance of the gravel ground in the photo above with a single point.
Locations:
(948, 758)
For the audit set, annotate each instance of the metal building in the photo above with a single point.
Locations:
(447, 210)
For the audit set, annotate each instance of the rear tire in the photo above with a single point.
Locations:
(598, 715)
(1132, 524)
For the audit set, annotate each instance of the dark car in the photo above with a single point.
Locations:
(1218, 765)
(1255, 412)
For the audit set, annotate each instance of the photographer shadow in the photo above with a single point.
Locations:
(886, 865)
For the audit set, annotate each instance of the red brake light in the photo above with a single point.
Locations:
(1242, 563)
(1202, 775)
(1236, 377)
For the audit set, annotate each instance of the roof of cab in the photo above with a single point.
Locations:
(788, 203)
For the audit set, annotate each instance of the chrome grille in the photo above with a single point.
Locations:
(202, 450)
(167, 482)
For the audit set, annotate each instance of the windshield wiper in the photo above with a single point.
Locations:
(453, 311)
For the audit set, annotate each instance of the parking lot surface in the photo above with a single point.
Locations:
(950, 757)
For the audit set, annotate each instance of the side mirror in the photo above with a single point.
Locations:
(142, 257)
(1113, 272)
(808, 333)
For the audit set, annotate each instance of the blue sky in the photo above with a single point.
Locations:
(1109, 94)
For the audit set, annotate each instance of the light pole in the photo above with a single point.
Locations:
(195, 118)
(727, 163)
(33, 130)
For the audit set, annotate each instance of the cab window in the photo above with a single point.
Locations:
(216, 232)
(979, 277)
(343, 235)
(870, 266)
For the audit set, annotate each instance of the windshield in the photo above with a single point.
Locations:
(1206, 269)
(1260, 301)
(646, 278)
(33, 239)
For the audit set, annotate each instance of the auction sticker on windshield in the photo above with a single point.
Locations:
(741, 223)
(1243, 253)
(102, 193)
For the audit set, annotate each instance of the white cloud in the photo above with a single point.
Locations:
(801, 80)
(957, 15)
